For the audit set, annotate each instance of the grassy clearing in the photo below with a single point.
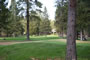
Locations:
(23, 38)
(42, 50)
(34, 38)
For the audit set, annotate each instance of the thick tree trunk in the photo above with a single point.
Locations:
(27, 1)
(71, 31)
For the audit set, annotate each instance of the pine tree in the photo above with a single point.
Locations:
(45, 27)
(61, 17)
(3, 15)
(29, 8)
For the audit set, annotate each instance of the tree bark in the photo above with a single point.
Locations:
(71, 31)
(27, 1)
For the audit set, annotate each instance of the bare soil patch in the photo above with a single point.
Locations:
(11, 43)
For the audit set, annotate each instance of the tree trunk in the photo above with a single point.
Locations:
(61, 15)
(88, 34)
(71, 31)
(0, 34)
(85, 35)
(77, 35)
(27, 1)
(62, 32)
(7, 34)
(81, 35)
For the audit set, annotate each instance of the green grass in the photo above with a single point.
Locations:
(23, 38)
(37, 50)
(42, 50)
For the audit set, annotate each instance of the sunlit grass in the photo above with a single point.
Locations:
(42, 50)
(23, 38)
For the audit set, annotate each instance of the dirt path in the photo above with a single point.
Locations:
(64, 40)
(59, 40)
(11, 43)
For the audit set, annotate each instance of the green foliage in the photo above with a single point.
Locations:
(34, 26)
(28, 6)
(61, 16)
(22, 6)
(39, 23)
(34, 23)
(4, 14)
(52, 24)
(82, 15)
(45, 27)
(14, 28)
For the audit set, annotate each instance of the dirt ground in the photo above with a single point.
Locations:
(62, 40)
(11, 43)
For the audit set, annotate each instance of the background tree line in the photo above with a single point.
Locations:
(82, 18)
(21, 19)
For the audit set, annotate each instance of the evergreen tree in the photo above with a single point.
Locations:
(82, 18)
(45, 27)
(34, 24)
(29, 7)
(14, 27)
(61, 17)
(3, 15)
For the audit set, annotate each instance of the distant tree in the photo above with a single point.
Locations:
(83, 18)
(27, 12)
(34, 24)
(3, 15)
(61, 17)
(45, 27)
(13, 16)
(28, 5)
(13, 9)
(14, 26)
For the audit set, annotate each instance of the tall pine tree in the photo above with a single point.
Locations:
(3, 15)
